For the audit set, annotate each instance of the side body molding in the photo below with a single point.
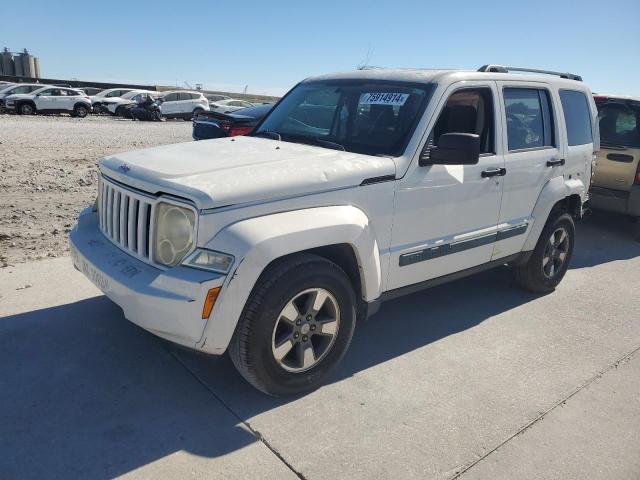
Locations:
(555, 190)
(256, 242)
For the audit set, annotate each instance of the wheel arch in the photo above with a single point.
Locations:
(341, 234)
(558, 193)
(19, 104)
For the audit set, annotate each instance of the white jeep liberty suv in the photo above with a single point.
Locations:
(356, 188)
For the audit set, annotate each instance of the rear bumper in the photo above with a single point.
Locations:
(167, 303)
(618, 201)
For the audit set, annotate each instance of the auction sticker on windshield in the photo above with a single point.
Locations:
(383, 98)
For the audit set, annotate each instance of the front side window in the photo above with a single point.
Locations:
(529, 118)
(619, 124)
(577, 117)
(172, 97)
(372, 117)
(466, 111)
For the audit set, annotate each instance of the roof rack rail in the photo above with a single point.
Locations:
(504, 69)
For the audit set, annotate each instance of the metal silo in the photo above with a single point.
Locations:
(36, 64)
(6, 59)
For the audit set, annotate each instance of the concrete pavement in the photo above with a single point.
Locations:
(475, 379)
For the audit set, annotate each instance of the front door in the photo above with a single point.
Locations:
(445, 216)
(46, 100)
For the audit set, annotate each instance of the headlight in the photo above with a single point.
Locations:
(209, 260)
(175, 233)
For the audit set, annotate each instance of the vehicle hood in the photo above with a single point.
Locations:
(238, 170)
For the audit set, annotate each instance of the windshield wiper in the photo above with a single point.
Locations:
(266, 133)
(315, 140)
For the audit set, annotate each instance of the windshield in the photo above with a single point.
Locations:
(360, 116)
(619, 124)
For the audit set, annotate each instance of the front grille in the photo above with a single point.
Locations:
(126, 218)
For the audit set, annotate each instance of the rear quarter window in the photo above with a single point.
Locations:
(577, 117)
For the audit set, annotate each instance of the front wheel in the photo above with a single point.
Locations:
(550, 259)
(27, 109)
(296, 325)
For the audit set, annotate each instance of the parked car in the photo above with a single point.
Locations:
(228, 106)
(207, 125)
(615, 185)
(183, 104)
(98, 99)
(16, 88)
(116, 105)
(355, 189)
(50, 100)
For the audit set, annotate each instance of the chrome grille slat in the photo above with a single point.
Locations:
(125, 218)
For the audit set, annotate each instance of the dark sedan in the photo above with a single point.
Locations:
(208, 125)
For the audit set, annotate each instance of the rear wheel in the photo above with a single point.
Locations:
(26, 109)
(81, 111)
(296, 325)
(550, 259)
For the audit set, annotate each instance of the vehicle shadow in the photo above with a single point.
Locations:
(603, 238)
(85, 393)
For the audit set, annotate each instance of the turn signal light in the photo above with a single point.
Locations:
(209, 302)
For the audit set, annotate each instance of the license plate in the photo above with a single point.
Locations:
(96, 276)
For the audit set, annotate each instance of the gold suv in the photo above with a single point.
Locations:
(615, 186)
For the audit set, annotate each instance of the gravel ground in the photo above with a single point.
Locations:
(48, 174)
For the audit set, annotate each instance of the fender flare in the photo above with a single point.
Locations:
(257, 242)
(19, 103)
(554, 191)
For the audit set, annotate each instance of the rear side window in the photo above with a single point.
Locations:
(577, 117)
(529, 118)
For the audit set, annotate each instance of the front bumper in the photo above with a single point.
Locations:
(618, 201)
(167, 303)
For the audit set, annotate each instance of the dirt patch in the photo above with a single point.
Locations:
(48, 174)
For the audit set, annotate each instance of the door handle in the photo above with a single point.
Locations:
(555, 162)
(494, 172)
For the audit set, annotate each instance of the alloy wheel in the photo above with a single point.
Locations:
(305, 330)
(555, 252)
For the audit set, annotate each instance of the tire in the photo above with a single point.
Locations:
(26, 109)
(550, 259)
(80, 111)
(263, 327)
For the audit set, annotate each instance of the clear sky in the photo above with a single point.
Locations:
(271, 45)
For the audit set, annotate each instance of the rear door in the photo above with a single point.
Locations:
(533, 155)
(619, 155)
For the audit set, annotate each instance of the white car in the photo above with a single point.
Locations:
(15, 89)
(183, 104)
(115, 105)
(230, 105)
(97, 99)
(50, 99)
(356, 188)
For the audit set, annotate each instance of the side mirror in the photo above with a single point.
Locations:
(454, 149)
